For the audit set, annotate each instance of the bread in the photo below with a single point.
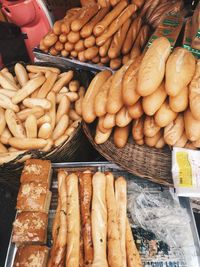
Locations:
(103, 50)
(182, 141)
(152, 68)
(47, 86)
(164, 115)
(154, 101)
(123, 118)
(21, 74)
(36, 170)
(73, 222)
(31, 256)
(136, 110)
(99, 220)
(115, 63)
(192, 126)
(194, 95)
(85, 190)
(30, 228)
(180, 69)
(152, 141)
(101, 137)
(138, 129)
(114, 245)
(121, 135)
(179, 103)
(174, 130)
(150, 127)
(33, 197)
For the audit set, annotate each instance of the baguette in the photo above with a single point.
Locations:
(165, 115)
(114, 246)
(61, 126)
(109, 121)
(31, 126)
(101, 98)
(61, 140)
(100, 137)
(33, 102)
(7, 92)
(179, 103)
(36, 111)
(73, 115)
(63, 108)
(152, 141)
(129, 83)
(160, 143)
(114, 2)
(43, 119)
(121, 135)
(138, 129)
(27, 143)
(59, 46)
(48, 85)
(21, 74)
(192, 126)
(69, 46)
(63, 38)
(118, 40)
(9, 156)
(65, 79)
(154, 101)
(74, 86)
(48, 146)
(182, 141)
(123, 118)
(131, 35)
(87, 13)
(115, 102)
(88, 111)
(7, 83)
(100, 125)
(136, 110)
(36, 69)
(79, 46)
(6, 103)
(78, 103)
(104, 60)
(73, 37)
(174, 130)
(52, 112)
(180, 69)
(99, 220)
(53, 51)
(116, 24)
(91, 52)
(150, 127)
(89, 41)
(152, 68)
(116, 63)
(50, 39)
(45, 130)
(57, 27)
(2, 120)
(28, 89)
(194, 95)
(85, 191)
(81, 56)
(133, 256)
(111, 16)
(5, 136)
(103, 50)
(86, 31)
(3, 149)
(121, 199)
(125, 58)
(14, 124)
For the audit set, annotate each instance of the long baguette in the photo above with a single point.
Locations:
(27, 143)
(123, 117)
(73, 222)
(121, 201)
(121, 135)
(36, 69)
(99, 220)
(114, 246)
(28, 89)
(85, 189)
(65, 79)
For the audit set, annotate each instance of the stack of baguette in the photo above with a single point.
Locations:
(155, 97)
(39, 109)
(91, 227)
(107, 33)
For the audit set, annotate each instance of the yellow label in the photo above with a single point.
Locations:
(185, 170)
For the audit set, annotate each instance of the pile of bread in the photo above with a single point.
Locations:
(156, 97)
(40, 108)
(106, 33)
(91, 227)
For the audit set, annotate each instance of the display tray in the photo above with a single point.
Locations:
(72, 63)
(154, 251)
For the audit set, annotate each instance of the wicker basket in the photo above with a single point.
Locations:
(77, 148)
(150, 163)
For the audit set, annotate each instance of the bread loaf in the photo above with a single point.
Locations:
(192, 126)
(121, 135)
(179, 103)
(164, 115)
(194, 93)
(150, 127)
(174, 130)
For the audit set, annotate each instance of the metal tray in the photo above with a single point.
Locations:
(165, 256)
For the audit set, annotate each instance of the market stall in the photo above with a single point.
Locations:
(109, 80)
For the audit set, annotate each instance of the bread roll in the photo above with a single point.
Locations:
(115, 102)
(129, 83)
(152, 141)
(21, 74)
(100, 137)
(88, 110)
(152, 68)
(192, 126)
(179, 102)
(138, 129)
(174, 130)
(136, 111)
(153, 102)
(106, 21)
(116, 24)
(180, 69)
(164, 115)
(194, 95)
(121, 135)
(99, 220)
(150, 127)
